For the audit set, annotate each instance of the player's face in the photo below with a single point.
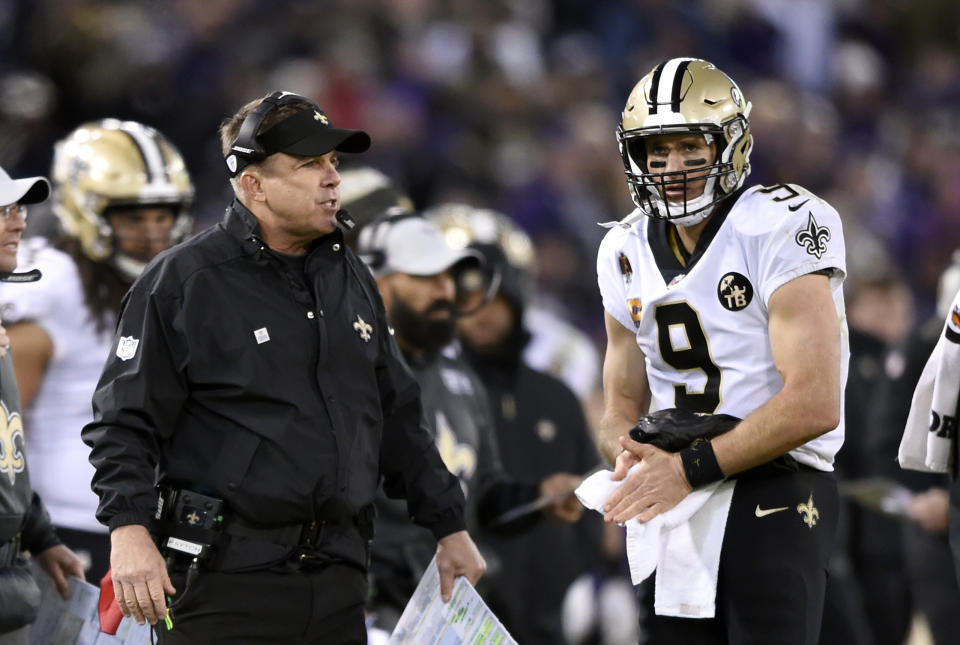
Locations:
(488, 326)
(670, 155)
(142, 232)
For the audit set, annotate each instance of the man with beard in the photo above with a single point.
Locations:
(425, 284)
(540, 426)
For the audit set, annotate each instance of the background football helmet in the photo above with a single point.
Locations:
(508, 252)
(366, 193)
(112, 163)
(685, 95)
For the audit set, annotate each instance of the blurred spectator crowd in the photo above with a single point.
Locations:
(512, 104)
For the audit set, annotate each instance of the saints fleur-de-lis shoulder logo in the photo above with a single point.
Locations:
(363, 328)
(11, 454)
(814, 237)
(809, 512)
(459, 458)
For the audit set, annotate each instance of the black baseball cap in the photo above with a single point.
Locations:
(308, 133)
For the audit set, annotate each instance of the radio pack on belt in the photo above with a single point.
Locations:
(188, 522)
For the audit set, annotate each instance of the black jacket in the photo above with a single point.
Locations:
(278, 390)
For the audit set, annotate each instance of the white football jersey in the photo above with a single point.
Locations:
(60, 469)
(704, 328)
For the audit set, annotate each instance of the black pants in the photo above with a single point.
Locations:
(772, 574)
(305, 607)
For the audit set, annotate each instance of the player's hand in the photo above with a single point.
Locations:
(60, 562)
(457, 555)
(655, 487)
(930, 509)
(566, 507)
(140, 579)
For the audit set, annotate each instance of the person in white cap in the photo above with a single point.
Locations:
(24, 522)
(122, 194)
(426, 284)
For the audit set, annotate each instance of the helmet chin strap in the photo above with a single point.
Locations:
(129, 267)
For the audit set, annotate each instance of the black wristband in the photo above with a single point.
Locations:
(700, 464)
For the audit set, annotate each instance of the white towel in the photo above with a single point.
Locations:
(928, 438)
(682, 545)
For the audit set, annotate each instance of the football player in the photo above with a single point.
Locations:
(723, 298)
(121, 194)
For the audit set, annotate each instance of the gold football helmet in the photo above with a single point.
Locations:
(112, 163)
(682, 96)
(509, 256)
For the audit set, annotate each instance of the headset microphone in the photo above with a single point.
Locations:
(346, 222)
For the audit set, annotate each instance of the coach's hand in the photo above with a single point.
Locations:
(457, 555)
(140, 579)
(655, 487)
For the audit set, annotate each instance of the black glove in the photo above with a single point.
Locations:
(673, 429)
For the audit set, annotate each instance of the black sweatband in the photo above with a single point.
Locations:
(700, 464)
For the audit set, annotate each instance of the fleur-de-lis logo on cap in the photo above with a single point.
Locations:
(321, 117)
(814, 237)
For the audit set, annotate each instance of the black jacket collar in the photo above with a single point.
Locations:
(243, 225)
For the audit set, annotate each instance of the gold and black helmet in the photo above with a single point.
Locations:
(683, 96)
(509, 255)
(111, 163)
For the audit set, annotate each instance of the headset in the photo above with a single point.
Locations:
(245, 149)
(371, 243)
(371, 248)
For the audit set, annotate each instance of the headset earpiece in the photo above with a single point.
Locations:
(245, 149)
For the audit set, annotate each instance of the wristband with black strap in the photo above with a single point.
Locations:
(700, 463)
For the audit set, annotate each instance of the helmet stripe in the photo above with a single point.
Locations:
(678, 84)
(665, 84)
(146, 142)
(654, 87)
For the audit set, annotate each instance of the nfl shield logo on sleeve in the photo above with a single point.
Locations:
(127, 347)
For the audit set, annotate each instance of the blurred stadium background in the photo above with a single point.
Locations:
(513, 103)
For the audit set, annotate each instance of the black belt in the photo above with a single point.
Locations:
(9, 551)
(308, 534)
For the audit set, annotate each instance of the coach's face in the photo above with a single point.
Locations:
(298, 198)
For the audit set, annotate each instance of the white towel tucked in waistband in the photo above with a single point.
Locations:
(682, 545)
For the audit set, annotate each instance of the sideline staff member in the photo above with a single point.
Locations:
(253, 365)
(24, 523)
(724, 299)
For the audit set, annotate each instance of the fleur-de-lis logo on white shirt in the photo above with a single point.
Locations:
(814, 237)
